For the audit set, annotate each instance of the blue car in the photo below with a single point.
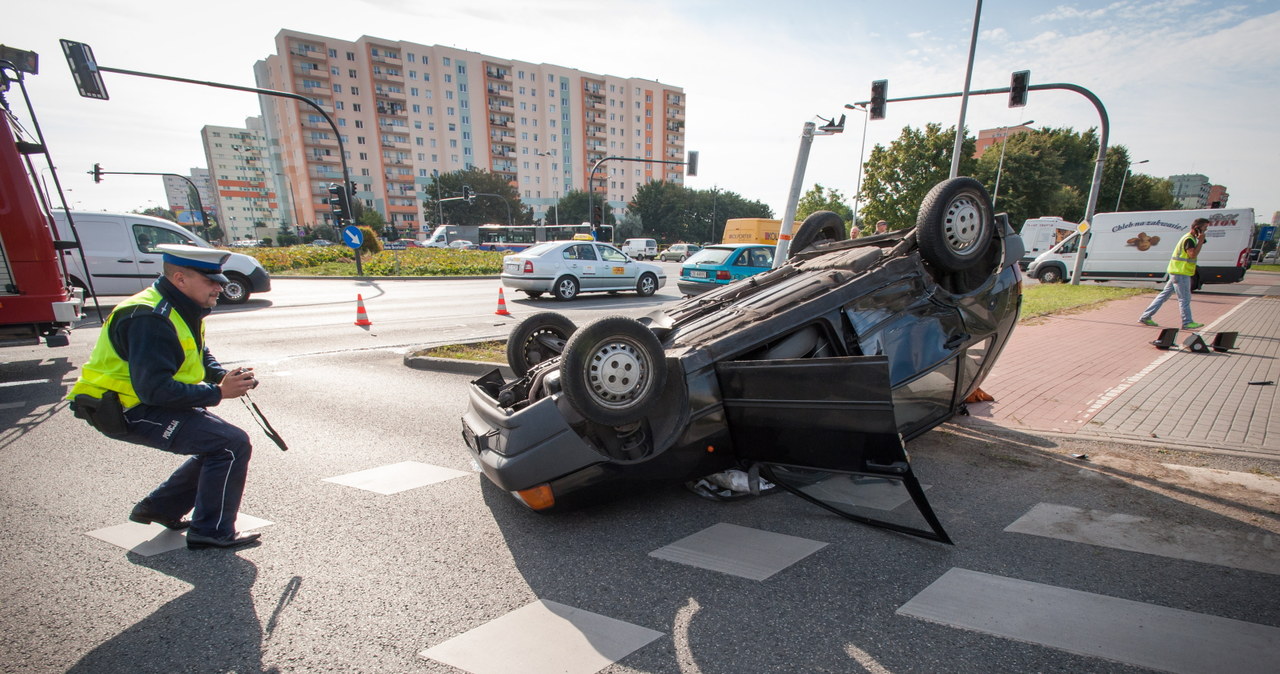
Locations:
(719, 265)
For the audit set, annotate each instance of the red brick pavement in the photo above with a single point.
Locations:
(1054, 373)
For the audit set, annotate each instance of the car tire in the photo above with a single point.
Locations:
(613, 371)
(236, 291)
(539, 337)
(1050, 274)
(566, 288)
(647, 285)
(819, 227)
(955, 225)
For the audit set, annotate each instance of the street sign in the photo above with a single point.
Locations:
(1082, 227)
(84, 69)
(1267, 233)
(352, 236)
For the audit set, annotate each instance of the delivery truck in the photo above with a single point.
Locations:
(1138, 245)
(1041, 234)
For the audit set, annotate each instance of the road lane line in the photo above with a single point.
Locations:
(1096, 625)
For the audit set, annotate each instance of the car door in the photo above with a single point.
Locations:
(111, 254)
(751, 261)
(146, 237)
(825, 429)
(581, 261)
(617, 271)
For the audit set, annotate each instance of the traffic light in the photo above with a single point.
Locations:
(1018, 88)
(468, 195)
(351, 189)
(96, 173)
(691, 166)
(338, 204)
(879, 97)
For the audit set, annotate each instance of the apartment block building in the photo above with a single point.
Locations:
(243, 180)
(998, 135)
(177, 194)
(1191, 190)
(406, 110)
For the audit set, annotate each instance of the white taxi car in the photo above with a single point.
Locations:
(566, 268)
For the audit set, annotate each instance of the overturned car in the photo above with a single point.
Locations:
(811, 375)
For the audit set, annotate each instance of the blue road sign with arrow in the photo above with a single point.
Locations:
(352, 236)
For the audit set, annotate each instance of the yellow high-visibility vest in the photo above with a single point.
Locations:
(1183, 266)
(107, 371)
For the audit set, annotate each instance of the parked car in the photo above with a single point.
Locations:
(462, 244)
(811, 375)
(321, 242)
(1254, 254)
(678, 252)
(722, 264)
(640, 249)
(1271, 257)
(566, 268)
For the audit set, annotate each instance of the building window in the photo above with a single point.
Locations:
(355, 91)
(337, 88)
(355, 107)
(351, 56)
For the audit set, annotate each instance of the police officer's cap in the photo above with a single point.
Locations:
(207, 261)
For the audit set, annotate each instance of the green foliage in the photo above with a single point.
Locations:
(573, 209)
(672, 212)
(819, 199)
(1052, 298)
(339, 261)
(372, 244)
(484, 209)
(372, 220)
(157, 212)
(898, 177)
(286, 237)
(325, 232)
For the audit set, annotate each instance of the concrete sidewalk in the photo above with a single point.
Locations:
(1095, 375)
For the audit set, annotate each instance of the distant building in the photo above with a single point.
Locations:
(177, 194)
(407, 110)
(1191, 190)
(245, 183)
(1218, 196)
(989, 137)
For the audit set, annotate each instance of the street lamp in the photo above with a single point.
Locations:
(1127, 170)
(1000, 168)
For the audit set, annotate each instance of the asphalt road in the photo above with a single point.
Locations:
(354, 581)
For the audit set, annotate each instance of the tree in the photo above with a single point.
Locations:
(664, 207)
(374, 222)
(819, 199)
(573, 209)
(286, 237)
(898, 177)
(483, 209)
(157, 212)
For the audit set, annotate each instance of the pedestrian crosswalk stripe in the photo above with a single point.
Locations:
(1256, 551)
(1095, 625)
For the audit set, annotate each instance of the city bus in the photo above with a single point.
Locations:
(519, 237)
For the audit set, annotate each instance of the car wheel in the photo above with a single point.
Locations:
(236, 291)
(955, 225)
(819, 227)
(537, 338)
(566, 288)
(647, 285)
(533, 294)
(1050, 274)
(613, 371)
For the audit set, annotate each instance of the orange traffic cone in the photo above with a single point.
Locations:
(502, 305)
(362, 318)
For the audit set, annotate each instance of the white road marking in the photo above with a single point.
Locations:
(739, 551)
(396, 477)
(1096, 625)
(1258, 551)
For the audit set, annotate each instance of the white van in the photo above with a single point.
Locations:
(1138, 245)
(640, 249)
(120, 250)
(1040, 234)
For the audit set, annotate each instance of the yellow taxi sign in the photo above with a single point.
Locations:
(583, 237)
(1083, 227)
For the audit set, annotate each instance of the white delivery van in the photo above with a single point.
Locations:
(1040, 234)
(443, 235)
(1138, 245)
(120, 250)
(640, 249)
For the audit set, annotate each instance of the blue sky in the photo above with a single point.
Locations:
(1190, 85)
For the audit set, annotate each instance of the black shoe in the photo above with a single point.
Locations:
(142, 515)
(197, 542)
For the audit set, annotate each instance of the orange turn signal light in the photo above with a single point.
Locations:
(538, 498)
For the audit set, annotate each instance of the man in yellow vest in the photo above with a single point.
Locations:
(1182, 267)
(148, 382)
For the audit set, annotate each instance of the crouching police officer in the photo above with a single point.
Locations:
(148, 381)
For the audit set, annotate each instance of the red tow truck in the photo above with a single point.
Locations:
(37, 301)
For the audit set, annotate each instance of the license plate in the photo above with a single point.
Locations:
(697, 274)
(512, 268)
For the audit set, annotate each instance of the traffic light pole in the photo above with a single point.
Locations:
(1104, 135)
(591, 177)
(204, 217)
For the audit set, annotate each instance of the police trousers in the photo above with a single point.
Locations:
(211, 481)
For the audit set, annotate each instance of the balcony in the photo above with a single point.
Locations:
(497, 73)
(317, 73)
(320, 142)
(392, 110)
(389, 95)
(306, 52)
(393, 59)
(387, 76)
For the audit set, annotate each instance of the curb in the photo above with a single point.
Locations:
(457, 366)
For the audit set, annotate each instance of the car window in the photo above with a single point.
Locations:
(761, 257)
(581, 251)
(710, 256)
(149, 236)
(611, 254)
(541, 249)
(743, 259)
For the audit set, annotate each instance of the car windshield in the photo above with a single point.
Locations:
(542, 248)
(711, 256)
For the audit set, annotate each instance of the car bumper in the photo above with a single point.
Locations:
(695, 287)
(259, 281)
(538, 283)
